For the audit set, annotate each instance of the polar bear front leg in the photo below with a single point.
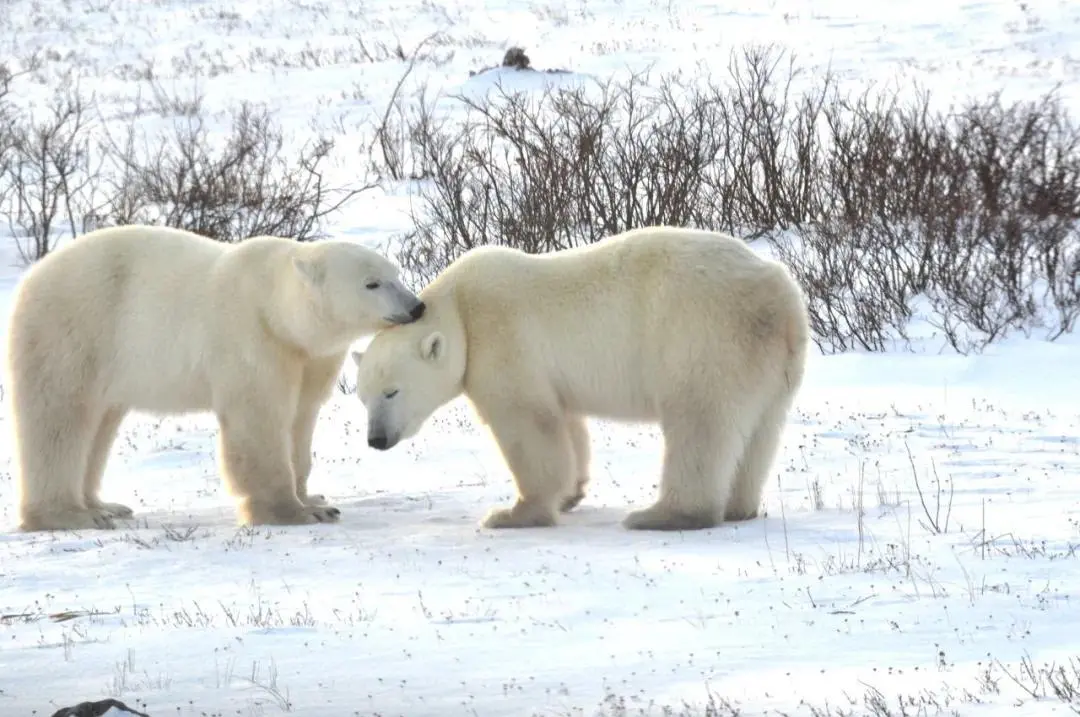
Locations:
(303, 433)
(104, 438)
(320, 376)
(537, 448)
(255, 446)
(579, 439)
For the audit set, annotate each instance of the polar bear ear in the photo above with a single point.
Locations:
(311, 272)
(357, 357)
(432, 346)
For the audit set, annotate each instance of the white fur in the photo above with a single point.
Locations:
(686, 328)
(165, 321)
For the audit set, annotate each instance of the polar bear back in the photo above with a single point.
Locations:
(148, 308)
(616, 327)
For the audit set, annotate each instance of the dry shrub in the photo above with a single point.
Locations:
(7, 125)
(975, 211)
(242, 186)
(881, 204)
(568, 166)
(62, 174)
(48, 170)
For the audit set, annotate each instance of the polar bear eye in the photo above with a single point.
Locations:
(372, 285)
(391, 394)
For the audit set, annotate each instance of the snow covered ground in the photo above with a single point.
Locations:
(922, 530)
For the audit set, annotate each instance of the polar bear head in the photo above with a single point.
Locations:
(357, 289)
(405, 375)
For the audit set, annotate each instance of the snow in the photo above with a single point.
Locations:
(922, 528)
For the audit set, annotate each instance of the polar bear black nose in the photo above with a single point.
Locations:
(377, 442)
(418, 310)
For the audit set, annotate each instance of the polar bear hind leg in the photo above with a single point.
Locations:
(753, 471)
(702, 447)
(536, 445)
(102, 444)
(54, 440)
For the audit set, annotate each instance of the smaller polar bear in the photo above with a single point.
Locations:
(155, 319)
(687, 328)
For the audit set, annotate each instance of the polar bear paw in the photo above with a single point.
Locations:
(574, 499)
(291, 513)
(664, 517)
(324, 513)
(68, 519)
(739, 514)
(313, 500)
(101, 519)
(112, 510)
(521, 515)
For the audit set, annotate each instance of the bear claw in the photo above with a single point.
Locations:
(572, 501)
(286, 514)
(102, 520)
(734, 515)
(326, 514)
(113, 510)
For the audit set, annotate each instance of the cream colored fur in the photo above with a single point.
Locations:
(686, 328)
(165, 321)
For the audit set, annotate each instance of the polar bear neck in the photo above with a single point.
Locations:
(444, 314)
(302, 326)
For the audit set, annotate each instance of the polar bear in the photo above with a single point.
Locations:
(687, 328)
(161, 320)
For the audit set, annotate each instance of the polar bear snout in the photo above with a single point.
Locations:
(384, 432)
(414, 308)
(380, 439)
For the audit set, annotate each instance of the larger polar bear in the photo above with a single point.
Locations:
(166, 321)
(688, 328)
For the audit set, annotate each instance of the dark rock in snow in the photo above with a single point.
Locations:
(516, 59)
(96, 709)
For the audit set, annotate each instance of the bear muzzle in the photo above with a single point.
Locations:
(410, 316)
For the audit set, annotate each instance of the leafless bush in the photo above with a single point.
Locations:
(244, 187)
(883, 206)
(48, 172)
(559, 169)
(7, 132)
(62, 174)
(391, 135)
(975, 211)
(570, 165)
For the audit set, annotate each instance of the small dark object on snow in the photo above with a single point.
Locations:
(96, 709)
(516, 59)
